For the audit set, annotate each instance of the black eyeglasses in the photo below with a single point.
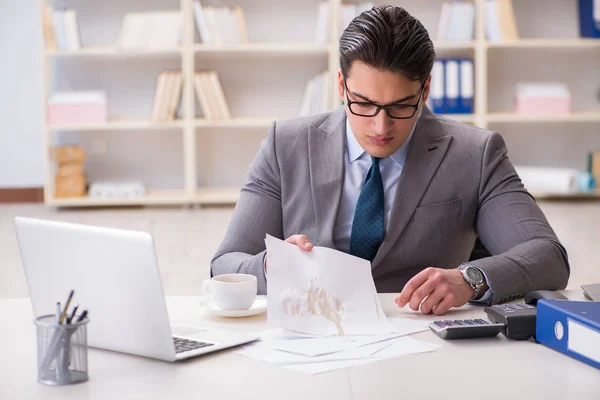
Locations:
(395, 111)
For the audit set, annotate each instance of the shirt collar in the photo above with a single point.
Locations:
(355, 151)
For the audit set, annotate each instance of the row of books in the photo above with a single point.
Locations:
(349, 12)
(167, 96)
(209, 92)
(317, 91)
(220, 25)
(150, 30)
(452, 86)
(500, 21)
(60, 29)
(457, 22)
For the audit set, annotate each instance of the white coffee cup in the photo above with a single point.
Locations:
(232, 291)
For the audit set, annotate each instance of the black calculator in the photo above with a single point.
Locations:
(465, 328)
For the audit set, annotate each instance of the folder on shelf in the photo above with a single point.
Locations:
(570, 327)
(437, 87)
(467, 87)
(461, 22)
(589, 18)
(452, 86)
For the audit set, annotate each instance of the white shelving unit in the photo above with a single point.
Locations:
(247, 71)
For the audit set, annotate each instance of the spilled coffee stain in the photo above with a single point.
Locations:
(315, 301)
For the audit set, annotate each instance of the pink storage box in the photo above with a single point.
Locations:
(542, 99)
(77, 108)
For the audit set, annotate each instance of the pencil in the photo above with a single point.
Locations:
(64, 313)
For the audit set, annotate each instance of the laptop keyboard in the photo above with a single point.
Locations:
(182, 345)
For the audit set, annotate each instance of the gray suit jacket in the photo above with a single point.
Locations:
(457, 184)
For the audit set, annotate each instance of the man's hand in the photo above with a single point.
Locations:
(443, 288)
(301, 241)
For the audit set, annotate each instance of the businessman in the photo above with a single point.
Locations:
(385, 179)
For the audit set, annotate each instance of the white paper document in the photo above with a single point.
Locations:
(322, 292)
(400, 347)
(379, 347)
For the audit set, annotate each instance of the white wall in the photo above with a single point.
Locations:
(20, 101)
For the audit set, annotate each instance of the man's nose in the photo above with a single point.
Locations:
(382, 124)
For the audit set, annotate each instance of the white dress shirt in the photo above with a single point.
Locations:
(357, 163)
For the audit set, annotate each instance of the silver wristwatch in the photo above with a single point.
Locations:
(474, 277)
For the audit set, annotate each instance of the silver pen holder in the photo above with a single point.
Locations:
(61, 351)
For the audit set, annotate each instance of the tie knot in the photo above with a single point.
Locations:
(375, 161)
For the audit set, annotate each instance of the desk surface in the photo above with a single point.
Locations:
(498, 367)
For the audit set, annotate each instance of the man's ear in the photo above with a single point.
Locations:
(340, 82)
(426, 90)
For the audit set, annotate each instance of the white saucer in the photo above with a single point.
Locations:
(208, 304)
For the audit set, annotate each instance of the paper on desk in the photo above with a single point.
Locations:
(328, 345)
(266, 353)
(322, 291)
(401, 347)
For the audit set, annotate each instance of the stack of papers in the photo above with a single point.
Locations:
(326, 313)
(314, 355)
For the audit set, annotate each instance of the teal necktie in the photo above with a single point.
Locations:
(367, 226)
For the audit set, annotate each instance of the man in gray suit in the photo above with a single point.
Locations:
(385, 179)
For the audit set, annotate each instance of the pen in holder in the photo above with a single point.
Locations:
(62, 351)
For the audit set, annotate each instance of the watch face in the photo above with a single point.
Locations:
(474, 274)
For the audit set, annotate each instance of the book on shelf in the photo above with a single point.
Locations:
(77, 107)
(500, 21)
(157, 30)
(210, 95)
(452, 86)
(220, 25)
(457, 22)
(167, 96)
(60, 29)
(351, 11)
(316, 94)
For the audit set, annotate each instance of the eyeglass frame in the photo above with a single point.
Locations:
(415, 107)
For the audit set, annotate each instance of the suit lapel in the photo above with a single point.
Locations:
(326, 162)
(425, 153)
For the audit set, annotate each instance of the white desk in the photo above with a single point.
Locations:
(495, 368)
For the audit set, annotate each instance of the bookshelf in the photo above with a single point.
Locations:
(263, 80)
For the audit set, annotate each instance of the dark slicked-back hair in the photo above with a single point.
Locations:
(390, 39)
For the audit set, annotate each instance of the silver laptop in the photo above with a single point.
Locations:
(115, 276)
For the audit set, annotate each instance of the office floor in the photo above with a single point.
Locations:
(187, 238)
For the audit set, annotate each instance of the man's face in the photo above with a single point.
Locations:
(380, 136)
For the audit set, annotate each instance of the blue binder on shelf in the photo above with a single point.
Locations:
(570, 327)
(589, 18)
(467, 86)
(437, 87)
(452, 86)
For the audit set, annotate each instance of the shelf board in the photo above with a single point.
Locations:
(217, 195)
(111, 51)
(567, 196)
(261, 48)
(581, 116)
(118, 125)
(444, 45)
(460, 117)
(235, 123)
(545, 43)
(154, 197)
